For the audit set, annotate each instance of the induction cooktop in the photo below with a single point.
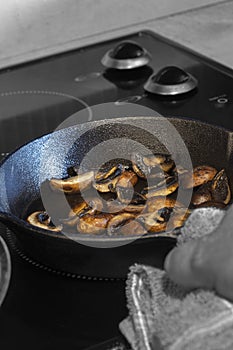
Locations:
(47, 309)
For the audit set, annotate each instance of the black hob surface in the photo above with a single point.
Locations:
(47, 309)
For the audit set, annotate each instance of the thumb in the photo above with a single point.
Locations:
(185, 265)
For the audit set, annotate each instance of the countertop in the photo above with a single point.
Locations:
(30, 31)
(207, 30)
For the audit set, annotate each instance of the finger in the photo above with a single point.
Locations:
(186, 266)
(205, 262)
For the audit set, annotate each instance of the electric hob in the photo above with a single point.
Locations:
(47, 309)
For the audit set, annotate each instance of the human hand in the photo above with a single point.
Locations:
(205, 262)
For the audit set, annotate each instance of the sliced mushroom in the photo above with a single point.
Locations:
(105, 181)
(92, 206)
(124, 186)
(77, 210)
(109, 172)
(163, 188)
(42, 219)
(93, 224)
(163, 160)
(127, 179)
(220, 188)
(154, 222)
(138, 198)
(72, 184)
(153, 204)
(132, 227)
(215, 191)
(114, 206)
(151, 164)
(118, 221)
(202, 195)
(200, 175)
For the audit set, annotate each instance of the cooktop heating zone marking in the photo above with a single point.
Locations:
(48, 92)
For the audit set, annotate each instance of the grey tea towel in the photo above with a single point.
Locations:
(163, 315)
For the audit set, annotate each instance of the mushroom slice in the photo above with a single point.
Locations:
(109, 172)
(127, 179)
(72, 184)
(95, 205)
(124, 186)
(78, 210)
(115, 206)
(202, 195)
(42, 219)
(155, 203)
(163, 188)
(92, 206)
(118, 221)
(155, 222)
(216, 191)
(134, 208)
(220, 188)
(132, 227)
(165, 218)
(105, 181)
(151, 165)
(163, 160)
(139, 172)
(93, 224)
(200, 175)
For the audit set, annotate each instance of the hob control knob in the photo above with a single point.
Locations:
(171, 76)
(170, 81)
(126, 55)
(127, 50)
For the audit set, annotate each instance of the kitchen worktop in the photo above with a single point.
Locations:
(207, 30)
(35, 31)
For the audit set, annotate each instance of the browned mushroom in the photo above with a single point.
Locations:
(153, 204)
(91, 206)
(73, 184)
(115, 225)
(215, 191)
(163, 188)
(124, 186)
(106, 179)
(109, 172)
(151, 165)
(200, 175)
(93, 224)
(154, 222)
(220, 188)
(202, 195)
(115, 206)
(42, 219)
(132, 227)
(162, 160)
